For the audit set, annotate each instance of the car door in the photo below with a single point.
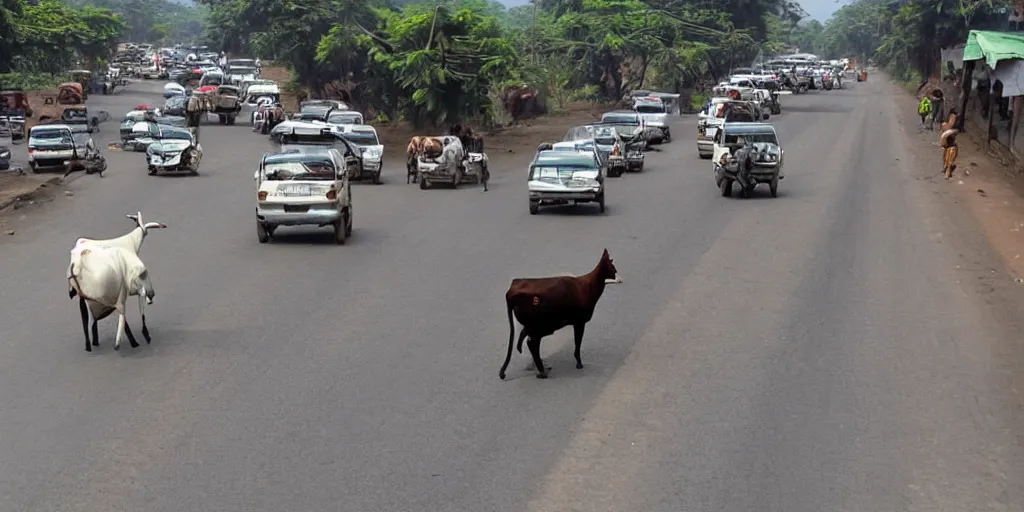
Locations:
(353, 162)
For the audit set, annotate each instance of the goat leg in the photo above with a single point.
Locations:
(131, 337)
(95, 333)
(142, 313)
(577, 331)
(534, 345)
(85, 322)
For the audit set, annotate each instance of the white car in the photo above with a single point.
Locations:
(50, 145)
(345, 117)
(305, 187)
(766, 154)
(173, 89)
(257, 91)
(364, 137)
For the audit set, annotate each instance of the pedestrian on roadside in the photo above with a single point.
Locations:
(948, 142)
(937, 104)
(924, 109)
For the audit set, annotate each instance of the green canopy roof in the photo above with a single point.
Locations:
(994, 46)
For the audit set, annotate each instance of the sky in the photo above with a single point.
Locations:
(818, 9)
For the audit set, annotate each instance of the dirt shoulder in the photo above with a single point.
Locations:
(982, 185)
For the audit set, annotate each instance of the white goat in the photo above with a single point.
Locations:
(132, 241)
(105, 277)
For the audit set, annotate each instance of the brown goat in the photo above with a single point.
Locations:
(547, 304)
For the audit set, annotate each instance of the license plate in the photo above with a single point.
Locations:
(296, 208)
(297, 190)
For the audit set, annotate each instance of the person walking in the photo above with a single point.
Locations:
(937, 114)
(924, 109)
(947, 139)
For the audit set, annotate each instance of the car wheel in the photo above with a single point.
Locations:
(376, 178)
(339, 230)
(705, 156)
(534, 207)
(600, 203)
(348, 222)
(726, 187)
(773, 187)
(261, 233)
(423, 183)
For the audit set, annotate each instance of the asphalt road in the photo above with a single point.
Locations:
(807, 353)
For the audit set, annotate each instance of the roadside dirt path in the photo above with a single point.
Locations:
(982, 188)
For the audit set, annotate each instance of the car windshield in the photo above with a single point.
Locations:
(345, 119)
(243, 71)
(362, 138)
(49, 133)
(305, 170)
(769, 137)
(175, 135)
(176, 102)
(626, 130)
(618, 118)
(558, 174)
(649, 108)
(79, 127)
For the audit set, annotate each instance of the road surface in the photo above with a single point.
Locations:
(809, 353)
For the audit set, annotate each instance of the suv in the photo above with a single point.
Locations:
(307, 184)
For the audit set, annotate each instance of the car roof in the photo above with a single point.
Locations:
(620, 112)
(741, 128)
(45, 126)
(299, 152)
(551, 157)
(357, 128)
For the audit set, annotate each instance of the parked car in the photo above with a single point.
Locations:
(5, 158)
(563, 177)
(172, 149)
(49, 146)
(609, 144)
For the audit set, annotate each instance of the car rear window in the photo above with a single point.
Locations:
(309, 169)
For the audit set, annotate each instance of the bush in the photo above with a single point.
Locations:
(588, 93)
(698, 100)
(31, 81)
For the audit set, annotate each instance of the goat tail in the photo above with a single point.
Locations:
(511, 339)
(71, 275)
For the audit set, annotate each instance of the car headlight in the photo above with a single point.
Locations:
(372, 154)
(5, 154)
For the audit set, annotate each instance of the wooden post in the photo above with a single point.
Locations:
(965, 93)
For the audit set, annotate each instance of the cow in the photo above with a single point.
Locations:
(547, 304)
(412, 151)
(432, 147)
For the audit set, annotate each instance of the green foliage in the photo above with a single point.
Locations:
(905, 38)
(438, 61)
(154, 21)
(31, 81)
(53, 36)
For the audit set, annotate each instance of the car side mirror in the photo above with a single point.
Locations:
(256, 176)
